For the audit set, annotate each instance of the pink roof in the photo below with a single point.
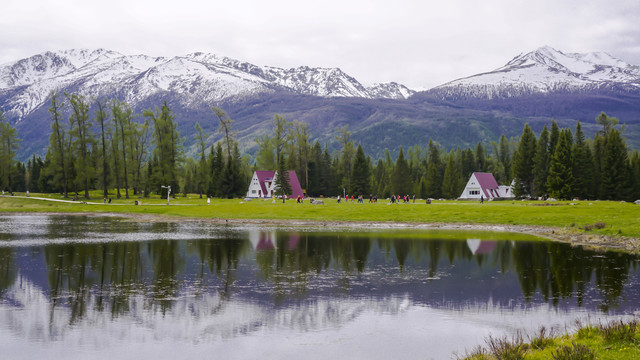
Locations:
(296, 189)
(487, 183)
(266, 175)
(262, 177)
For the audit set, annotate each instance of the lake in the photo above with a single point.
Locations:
(99, 287)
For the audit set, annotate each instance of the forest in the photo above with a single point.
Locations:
(123, 154)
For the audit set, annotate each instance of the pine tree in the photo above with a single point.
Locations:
(400, 179)
(523, 162)
(504, 156)
(634, 174)
(615, 167)
(346, 162)
(599, 145)
(541, 163)
(560, 179)
(434, 172)
(554, 136)
(582, 166)
(282, 186)
(361, 175)
(481, 158)
(450, 184)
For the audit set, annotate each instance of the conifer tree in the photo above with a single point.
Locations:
(282, 186)
(400, 180)
(582, 166)
(523, 162)
(346, 162)
(434, 172)
(216, 169)
(450, 185)
(361, 177)
(481, 161)
(560, 179)
(598, 146)
(634, 173)
(554, 136)
(504, 156)
(614, 170)
(541, 164)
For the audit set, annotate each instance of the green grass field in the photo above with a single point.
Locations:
(614, 218)
(615, 340)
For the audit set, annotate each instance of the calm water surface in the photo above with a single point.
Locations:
(101, 288)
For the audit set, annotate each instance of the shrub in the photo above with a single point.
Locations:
(505, 349)
(574, 352)
(619, 331)
(542, 339)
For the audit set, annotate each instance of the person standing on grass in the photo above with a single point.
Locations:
(481, 199)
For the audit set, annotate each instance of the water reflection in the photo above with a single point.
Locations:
(226, 282)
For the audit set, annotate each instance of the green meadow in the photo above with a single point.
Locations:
(598, 217)
(616, 340)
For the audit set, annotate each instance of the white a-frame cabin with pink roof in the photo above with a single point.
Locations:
(485, 185)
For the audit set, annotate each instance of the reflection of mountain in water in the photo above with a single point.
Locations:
(288, 269)
(194, 317)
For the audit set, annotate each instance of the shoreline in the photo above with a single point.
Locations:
(574, 238)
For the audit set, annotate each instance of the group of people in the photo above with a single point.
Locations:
(405, 198)
(374, 198)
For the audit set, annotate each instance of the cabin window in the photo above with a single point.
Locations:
(253, 191)
(474, 192)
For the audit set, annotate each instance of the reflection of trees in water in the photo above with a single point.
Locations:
(112, 272)
(558, 272)
(7, 269)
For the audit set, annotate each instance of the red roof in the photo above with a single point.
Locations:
(488, 184)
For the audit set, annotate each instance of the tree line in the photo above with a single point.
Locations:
(142, 154)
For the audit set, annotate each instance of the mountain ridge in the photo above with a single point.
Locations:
(195, 77)
(545, 70)
(532, 87)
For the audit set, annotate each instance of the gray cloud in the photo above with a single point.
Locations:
(418, 43)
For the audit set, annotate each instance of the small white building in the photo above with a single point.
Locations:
(485, 185)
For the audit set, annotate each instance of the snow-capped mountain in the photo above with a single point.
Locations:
(390, 90)
(544, 71)
(195, 78)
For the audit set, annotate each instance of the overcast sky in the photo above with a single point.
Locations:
(420, 43)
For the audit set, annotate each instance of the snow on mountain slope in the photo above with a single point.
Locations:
(545, 70)
(26, 84)
(390, 90)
